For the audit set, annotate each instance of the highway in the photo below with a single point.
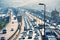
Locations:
(26, 27)
(29, 31)
(51, 27)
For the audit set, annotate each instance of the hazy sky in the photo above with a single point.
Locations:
(50, 4)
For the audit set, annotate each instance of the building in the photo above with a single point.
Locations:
(54, 15)
(4, 17)
(58, 21)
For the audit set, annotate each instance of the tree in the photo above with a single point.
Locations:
(2, 24)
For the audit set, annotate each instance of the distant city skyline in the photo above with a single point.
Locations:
(33, 4)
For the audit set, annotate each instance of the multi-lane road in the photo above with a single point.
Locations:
(28, 29)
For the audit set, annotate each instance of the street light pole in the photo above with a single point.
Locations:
(44, 15)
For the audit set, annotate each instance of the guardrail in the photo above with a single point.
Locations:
(17, 34)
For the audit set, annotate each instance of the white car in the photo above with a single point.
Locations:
(58, 27)
(54, 23)
(51, 37)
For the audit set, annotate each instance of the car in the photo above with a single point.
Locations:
(44, 38)
(58, 26)
(36, 37)
(4, 31)
(30, 28)
(54, 23)
(12, 29)
(30, 34)
(41, 26)
(49, 33)
(51, 37)
(6, 19)
(36, 29)
(21, 39)
(0, 26)
(47, 20)
(46, 26)
(47, 30)
(14, 18)
(19, 18)
(24, 35)
(25, 28)
(37, 34)
(2, 38)
(33, 24)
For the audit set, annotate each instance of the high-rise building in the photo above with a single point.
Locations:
(54, 15)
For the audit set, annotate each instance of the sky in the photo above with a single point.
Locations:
(33, 4)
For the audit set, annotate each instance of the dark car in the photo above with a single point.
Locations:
(21, 39)
(4, 31)
(12, 29)
(25, 28)
(24, 35)
(30, 34)
(14, 18)
(2, 38)
(36, 37)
